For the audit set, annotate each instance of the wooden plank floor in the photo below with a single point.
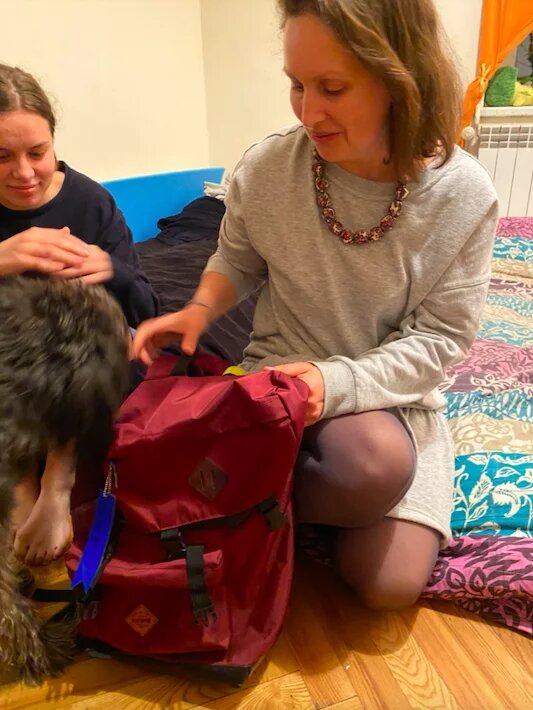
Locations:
(332, 654)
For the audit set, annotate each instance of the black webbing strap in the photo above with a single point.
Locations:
(268, 508)
(54, 595)
(181, 366)
(203, 609)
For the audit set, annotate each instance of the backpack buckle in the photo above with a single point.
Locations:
(173, 543)
(275, 517)
(203, 612)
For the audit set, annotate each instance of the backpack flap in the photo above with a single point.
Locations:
(191, 449)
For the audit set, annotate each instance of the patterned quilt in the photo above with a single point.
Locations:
(488, 567)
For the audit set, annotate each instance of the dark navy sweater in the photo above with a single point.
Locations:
(90, 212)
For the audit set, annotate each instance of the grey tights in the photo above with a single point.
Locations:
(351, 471)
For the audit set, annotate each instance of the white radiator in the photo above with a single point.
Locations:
(506, 150)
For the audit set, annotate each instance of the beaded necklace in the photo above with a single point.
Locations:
(328, 214)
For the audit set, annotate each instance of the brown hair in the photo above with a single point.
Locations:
(20, 91)
(401, 42)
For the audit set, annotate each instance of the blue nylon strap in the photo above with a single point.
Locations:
(95, 549)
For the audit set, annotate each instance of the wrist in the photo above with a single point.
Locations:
(202, 304)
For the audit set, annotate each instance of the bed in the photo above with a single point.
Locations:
(488, 566)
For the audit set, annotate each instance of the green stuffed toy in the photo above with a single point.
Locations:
(501, 88)
(505, 90)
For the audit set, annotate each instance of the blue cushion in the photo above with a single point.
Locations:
(145, 199)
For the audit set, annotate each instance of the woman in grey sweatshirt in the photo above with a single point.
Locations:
(372, 234)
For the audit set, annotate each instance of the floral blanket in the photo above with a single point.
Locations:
(488, 567)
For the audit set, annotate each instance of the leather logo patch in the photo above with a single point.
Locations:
(141, 620)
(208, 479)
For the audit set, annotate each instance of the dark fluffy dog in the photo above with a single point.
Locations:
(63, 374)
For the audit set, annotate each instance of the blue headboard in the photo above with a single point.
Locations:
(145, 199)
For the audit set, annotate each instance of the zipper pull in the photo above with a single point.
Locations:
(111, 481)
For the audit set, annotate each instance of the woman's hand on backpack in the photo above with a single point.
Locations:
(311, 375)
(186, 326)
(47, 251)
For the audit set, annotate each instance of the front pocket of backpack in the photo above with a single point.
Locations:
(148, 608)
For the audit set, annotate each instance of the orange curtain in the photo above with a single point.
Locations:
(504, 24)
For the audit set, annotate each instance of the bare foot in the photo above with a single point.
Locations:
(47, 532)
(26, 494)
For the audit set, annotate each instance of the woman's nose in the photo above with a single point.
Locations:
(312, 110)
(23, 169)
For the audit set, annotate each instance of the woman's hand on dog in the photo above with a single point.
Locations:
(186, 326)
(44, 250)
(96, 268)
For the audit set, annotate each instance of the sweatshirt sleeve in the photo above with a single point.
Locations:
(236, 256)
(411, 362)
(128, 285)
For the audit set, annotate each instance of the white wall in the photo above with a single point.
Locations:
(128, 75)
(462, 20)
(247, 93)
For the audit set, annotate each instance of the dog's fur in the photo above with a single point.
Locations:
(63, 374)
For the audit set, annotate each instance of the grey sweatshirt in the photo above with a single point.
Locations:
(382, 320)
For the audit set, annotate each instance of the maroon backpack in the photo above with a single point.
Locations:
(189, 556)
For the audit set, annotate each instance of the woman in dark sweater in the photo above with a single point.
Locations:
(53, 219)
(57, 222)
